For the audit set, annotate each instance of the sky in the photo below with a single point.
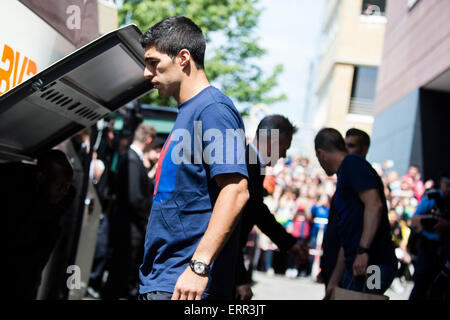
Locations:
(290, 30)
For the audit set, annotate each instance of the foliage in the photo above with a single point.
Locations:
(231, 65)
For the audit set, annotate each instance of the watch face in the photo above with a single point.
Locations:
(199, 268)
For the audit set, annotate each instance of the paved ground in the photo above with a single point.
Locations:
(279, 287)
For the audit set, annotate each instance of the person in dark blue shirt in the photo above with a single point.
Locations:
(191, 242)
(363, 226)
(440, 289)
(430, 256)
(356, 142)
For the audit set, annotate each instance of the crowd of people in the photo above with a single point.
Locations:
(299, 194)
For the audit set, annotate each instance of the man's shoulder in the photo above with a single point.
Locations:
(355, 159)
(218, 96)
(353, 164)
(217, 103)
(358, 173)
(132, 155)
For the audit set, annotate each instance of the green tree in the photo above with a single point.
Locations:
(231, 65)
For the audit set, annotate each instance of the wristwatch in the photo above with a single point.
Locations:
(199, 267)
(362, 250)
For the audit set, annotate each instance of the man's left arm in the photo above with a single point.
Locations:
(230, 202)
(243, 280)
(267, 223)
(373, 209)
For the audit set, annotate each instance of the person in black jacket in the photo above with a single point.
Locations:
(129, 217)
(259, 154)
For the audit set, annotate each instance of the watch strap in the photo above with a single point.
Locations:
(362, 250)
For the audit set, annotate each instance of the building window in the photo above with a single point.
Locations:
(373, 7)
(363, 90)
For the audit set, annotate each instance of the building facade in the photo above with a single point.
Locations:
(413, 90)
(350, 54)
(35, 34)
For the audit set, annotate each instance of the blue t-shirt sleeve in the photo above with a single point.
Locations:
(424, 206)
(223, 140)
(360, 175)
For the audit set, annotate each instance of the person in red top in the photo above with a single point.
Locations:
(417, 184)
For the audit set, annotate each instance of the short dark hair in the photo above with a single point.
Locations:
(273, 122)
(363, 137)
(174, 34)
(330, 140)
(51, 158)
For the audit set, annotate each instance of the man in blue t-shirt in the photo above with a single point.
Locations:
(191, 243)
(363, 226)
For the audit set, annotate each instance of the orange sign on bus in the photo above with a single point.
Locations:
(14, 74)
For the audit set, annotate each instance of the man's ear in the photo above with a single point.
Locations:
(148, 144)
(184, 57)
(320, 154)
(40, 177)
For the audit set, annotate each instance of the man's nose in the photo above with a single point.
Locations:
(147, 73)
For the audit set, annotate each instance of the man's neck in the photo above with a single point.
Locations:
(138, 145)
(338, 157)
(192, 85)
